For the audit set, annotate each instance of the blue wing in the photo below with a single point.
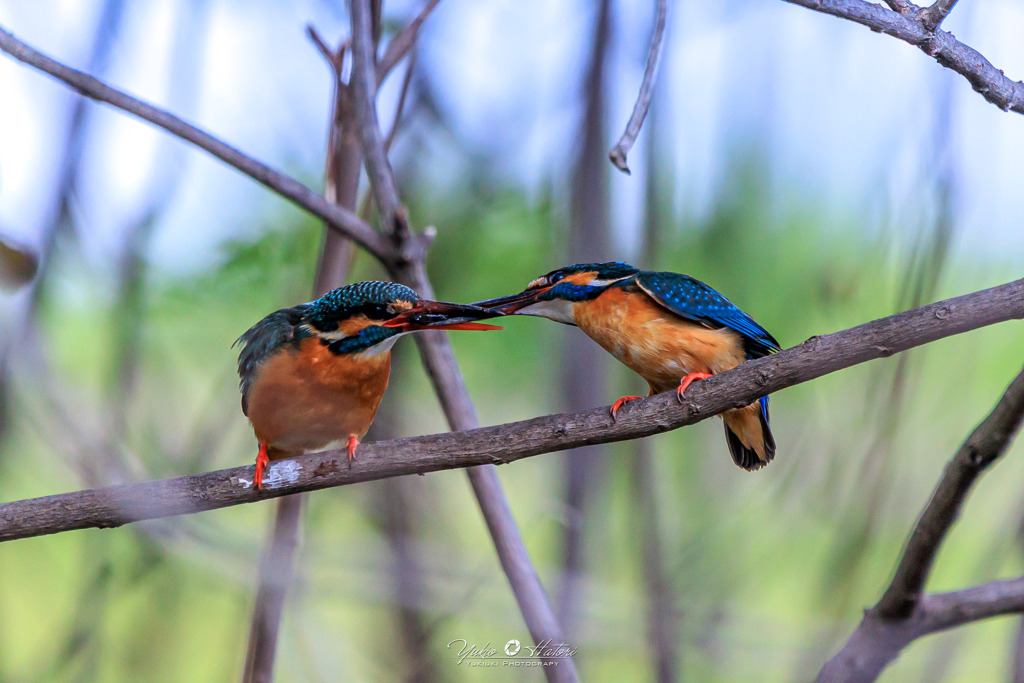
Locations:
(692, 299)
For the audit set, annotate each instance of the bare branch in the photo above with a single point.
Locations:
(643, 100)
(409, 268)
(901, 6)
(985, 444)
(364, 88)
(275, 579)
(403, 42)
(904, 614)
(989, 81)
(338, 217)
(876, 643)
(933, 16)
(117, 505)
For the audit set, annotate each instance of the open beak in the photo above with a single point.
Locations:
(507, 305)
(441, 315)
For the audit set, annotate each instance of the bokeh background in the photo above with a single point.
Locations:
(818, 174)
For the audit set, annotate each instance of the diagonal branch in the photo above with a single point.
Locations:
(904, 613)
(117, 505)
(989, 81)
(410, 268)
(338, 217)
(986, 443)
(403, 42)
(643, 100)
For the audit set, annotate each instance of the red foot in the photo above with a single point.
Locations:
(353, 442)
(688, 380)
(622, 401)
(261, 464)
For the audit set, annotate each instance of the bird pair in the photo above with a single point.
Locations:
(312, 376)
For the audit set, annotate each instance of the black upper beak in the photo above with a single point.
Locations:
(507, 305)
(441, 315)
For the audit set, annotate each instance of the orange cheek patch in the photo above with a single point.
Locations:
(581, 278)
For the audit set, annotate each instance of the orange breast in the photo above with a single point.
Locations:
(307, 399)
(652, 341)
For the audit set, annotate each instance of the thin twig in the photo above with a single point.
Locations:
(403, 42)
(117, 505)
(643, 100)
(933, 16)
(338, 217)
(986, 79)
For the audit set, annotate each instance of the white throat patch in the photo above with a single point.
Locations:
(558, 310)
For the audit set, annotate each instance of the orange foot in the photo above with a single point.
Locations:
(261, 464)
(353, 442)
(688, 380)
(622, 401)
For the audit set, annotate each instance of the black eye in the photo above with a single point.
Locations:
(376, 311)
(555, 276)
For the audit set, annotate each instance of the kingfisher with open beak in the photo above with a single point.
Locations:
(671, 329)
(312, 376)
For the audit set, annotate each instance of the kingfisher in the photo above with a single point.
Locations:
(670, 329)
(313, 375)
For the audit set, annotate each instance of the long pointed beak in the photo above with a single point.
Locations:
(514, 302)
(441, 315)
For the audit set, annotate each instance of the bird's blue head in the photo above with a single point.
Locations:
(552, 295)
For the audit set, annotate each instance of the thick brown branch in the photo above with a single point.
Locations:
(985, 444)
(1001, 91)
(113, 506)
(643, 100)
(338, 217)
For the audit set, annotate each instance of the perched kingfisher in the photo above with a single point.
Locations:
(663, 326)
(312, 376)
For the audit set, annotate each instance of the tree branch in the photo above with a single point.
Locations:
(403, 41)
(904, 614)
(643, 100)
(339, 218)
(819, 355)
(409, 267)
(875, 644)
(933, 16)
(989, 81)
(986, 443)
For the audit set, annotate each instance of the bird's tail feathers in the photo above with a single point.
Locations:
(749, 435)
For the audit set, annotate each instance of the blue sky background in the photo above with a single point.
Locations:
(844, 118)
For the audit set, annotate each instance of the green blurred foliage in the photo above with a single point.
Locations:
(770, 570)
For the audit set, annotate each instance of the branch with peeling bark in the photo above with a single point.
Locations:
(919, 27)
(820, 355)
(904, 613)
